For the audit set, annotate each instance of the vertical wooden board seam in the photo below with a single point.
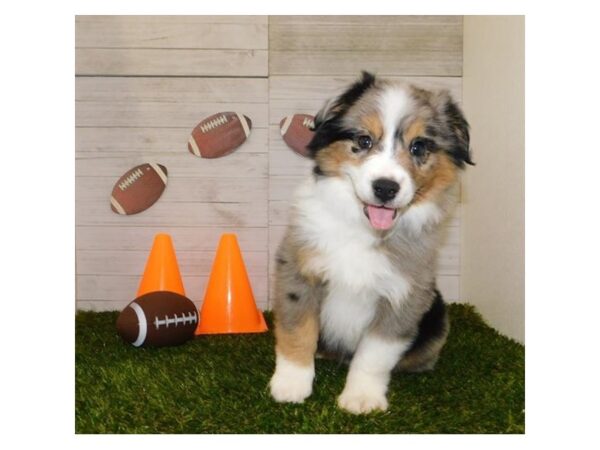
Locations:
(268, 300)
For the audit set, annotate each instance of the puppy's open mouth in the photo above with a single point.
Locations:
(380, 217)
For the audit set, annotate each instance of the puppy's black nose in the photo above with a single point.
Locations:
(385, 189)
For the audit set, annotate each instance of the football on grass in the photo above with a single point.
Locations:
(219, 134)
(297, 132)
(158, 319)
(138, 189)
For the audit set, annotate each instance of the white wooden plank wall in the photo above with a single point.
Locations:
(143, 82)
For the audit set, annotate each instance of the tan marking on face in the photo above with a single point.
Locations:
(373, 124)
(434, 177)
(331, 159)
(299, 344)
(415, 129)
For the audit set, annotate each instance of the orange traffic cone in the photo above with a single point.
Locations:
(229, 305)
(161, 272)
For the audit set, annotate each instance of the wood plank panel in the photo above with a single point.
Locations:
(449, 286)
(181, 164)
(389, 33)
(323, 87)
(192, 189)
(173, 90)
(183, 213)
(358, 21)
(348, 63)
(283, 187)
(194, 238)
(285, 162)
(201, 19)
(161, 114)
(144, 142)
(343, 45)
(170, 62)
(169, 32)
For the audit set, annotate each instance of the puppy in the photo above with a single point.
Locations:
(355, 271)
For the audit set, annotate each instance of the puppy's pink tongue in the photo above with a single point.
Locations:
(381, 218)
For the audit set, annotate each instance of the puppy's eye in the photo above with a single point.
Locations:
(418, 148)
(364, 142)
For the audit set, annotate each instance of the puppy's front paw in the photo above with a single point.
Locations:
(288, 389)
(362, 402)
(291, 382)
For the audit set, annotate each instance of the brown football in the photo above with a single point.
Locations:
(297, 132)
(158, 319)
(219, 134)
(138, 189)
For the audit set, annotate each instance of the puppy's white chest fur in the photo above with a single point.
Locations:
(349, 257)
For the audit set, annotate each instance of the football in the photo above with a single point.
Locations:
(138, 189)
(219, 134)
(297, 132)
(158, 319)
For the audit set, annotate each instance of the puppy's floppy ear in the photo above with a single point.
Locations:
(337, 106)
(327, 112)
(328, 127)
(459, 130)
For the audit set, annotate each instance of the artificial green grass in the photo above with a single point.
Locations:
(218, 384)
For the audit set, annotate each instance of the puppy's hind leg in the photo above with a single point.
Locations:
(431, 337)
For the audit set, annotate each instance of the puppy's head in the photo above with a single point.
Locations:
(398, 145)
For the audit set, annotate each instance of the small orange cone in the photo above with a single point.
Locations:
(229, 305)
(161, 272)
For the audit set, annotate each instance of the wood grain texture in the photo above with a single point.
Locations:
(89, 20)
(387, 45)
(195, 238)
(290, 87)
(171, 90)
(150, 142)
(192, 189)
(377, 33)
(161, 114)
(358, 21)
(194, 32)
(171, 46)
(182, 213)
(348, 63)
(170, 62)
(245, 165)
